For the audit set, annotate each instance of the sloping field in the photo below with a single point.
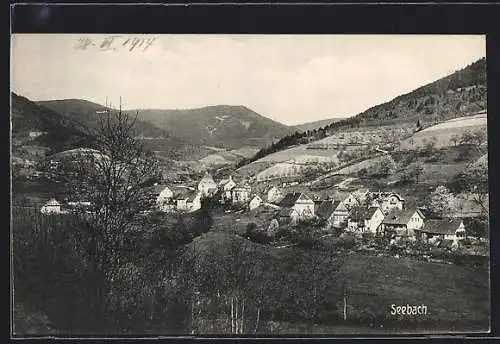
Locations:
(445, 131)
(214, 160)
(296, 151)
(297, 166)
(245, 152)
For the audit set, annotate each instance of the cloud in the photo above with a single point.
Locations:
(291, 79)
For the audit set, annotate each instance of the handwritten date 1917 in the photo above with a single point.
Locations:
(115, 43)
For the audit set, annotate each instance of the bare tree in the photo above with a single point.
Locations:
(113, 179)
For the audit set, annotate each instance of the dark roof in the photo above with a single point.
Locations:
(400, 217)
(290, 199)
(447, 226)
(362, 213)
(325, 210)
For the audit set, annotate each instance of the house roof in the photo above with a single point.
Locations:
(207, 179)
(400, 217)
(362, 213)
(447, 226)
(182, 193)
(325, 209)
(52, 202)
(256, 196)
(290, 199)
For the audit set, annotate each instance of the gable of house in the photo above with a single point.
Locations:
(399, 217)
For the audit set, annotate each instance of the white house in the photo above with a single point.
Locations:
(300, 202)
(163, 197)
(34, 134)
(347, 199)
(241, 193)
(274, 195)
(207, 185)
(227, 186)
(403, 222)
(387, 201)
(255, 202)
(51, 207)
(364, 220)
(447, 229)
(340, 213)
(193, 202)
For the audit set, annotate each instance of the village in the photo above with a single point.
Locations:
(362, 214)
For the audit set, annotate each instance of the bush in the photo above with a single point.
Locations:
(347, 241)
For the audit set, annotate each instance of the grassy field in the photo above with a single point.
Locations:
(444, 131)
(457, 298)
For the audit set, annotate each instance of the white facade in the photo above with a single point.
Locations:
(255, 202)
(415, 222)
(340, 214)
(182, 204)
(241, 194)
(373, 224)
(51, 207)
(304, 207)
(274, 195)
(393, 201)
(207, 185)
(195, 203)
(350, 201)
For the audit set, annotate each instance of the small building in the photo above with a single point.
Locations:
(226, 186)
(347, 199)
(51, 207)
(181, 197)
(300, 202)
(207, 185)
(163, 197)
(340, 214)
(447, 229)
(274, 195)
(361, 195)
(403, 222)
(387, 201)
(34, 134)
(365, 220)
(193, 202)
(241, 193)
(255, 202)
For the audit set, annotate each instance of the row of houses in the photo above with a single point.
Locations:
(368, 212)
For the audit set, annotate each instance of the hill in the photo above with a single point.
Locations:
(85, 112)
(459, 94)
(61, 132)
(231, 127)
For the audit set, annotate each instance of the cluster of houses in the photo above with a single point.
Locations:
(361, 211)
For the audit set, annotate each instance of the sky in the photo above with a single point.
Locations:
(289, 78)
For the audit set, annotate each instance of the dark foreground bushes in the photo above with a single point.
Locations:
(57, 273)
